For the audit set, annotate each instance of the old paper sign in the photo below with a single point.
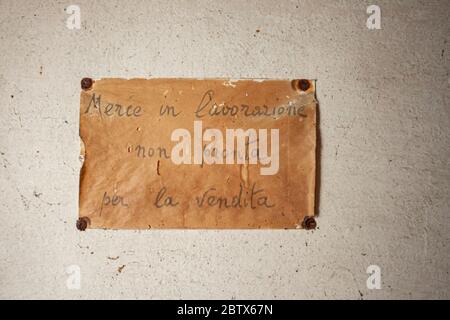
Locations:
(188, 153)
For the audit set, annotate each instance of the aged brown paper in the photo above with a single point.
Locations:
(129, 179)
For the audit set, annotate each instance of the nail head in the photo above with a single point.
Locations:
(309, 223)
(82, 224)
(304, 84)
(86, 83)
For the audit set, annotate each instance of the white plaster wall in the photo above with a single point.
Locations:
(385, 170)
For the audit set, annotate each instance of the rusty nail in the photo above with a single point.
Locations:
(309, 223)
(82, 224)
(303, 84)
(86, 83)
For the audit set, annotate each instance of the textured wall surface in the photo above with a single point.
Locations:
(385, 129)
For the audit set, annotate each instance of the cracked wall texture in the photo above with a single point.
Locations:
(385, 128)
